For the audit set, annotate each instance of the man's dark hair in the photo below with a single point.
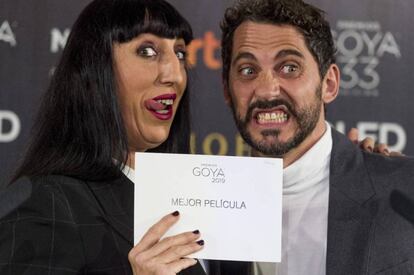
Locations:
(307, 19)
(79, 130)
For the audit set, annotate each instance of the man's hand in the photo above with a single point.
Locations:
(369, 145)
(156, 256)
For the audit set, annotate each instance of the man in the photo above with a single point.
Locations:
(344, 211)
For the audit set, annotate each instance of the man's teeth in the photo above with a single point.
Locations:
(166, 102)
(272, 117)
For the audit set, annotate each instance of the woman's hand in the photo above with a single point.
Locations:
(156, 256)
(368, 144)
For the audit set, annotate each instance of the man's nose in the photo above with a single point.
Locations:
(268, 86)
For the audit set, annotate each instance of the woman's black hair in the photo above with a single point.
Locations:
(79, 130)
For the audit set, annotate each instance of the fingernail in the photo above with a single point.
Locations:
(387, 152)
(200, 242)
(370, 149)
(175, 213)
(196, 232)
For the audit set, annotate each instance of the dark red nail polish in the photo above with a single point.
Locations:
(196, 232)
(175, 213)
(200, 242)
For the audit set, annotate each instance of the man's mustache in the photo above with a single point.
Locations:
(268, 104)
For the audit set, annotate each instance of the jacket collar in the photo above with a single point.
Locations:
(115, 199)
(350, 218)
(347, 170)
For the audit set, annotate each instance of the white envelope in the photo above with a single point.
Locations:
(235, 202)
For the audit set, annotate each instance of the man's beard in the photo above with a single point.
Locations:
(306, 119)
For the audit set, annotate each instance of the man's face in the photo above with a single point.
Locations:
(274, 87)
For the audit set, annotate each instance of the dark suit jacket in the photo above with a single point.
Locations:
(371, 215)
(61, 225)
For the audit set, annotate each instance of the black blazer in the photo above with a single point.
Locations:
(371, 215)
(371, 212)
(61, 225)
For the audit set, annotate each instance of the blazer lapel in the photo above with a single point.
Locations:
(350, 218)
(116, 202)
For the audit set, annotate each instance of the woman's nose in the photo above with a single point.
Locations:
(171, 71)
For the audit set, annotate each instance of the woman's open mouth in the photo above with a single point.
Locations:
(161, 106)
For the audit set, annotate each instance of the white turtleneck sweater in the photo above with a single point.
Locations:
(305, 213)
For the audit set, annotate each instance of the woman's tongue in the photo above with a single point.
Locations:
(154, 105)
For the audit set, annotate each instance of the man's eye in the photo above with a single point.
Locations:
(181, 55)
(287, 69)
(247, 71)
(147, 51)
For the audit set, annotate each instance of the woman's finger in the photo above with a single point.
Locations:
(367, 144)
(171, 261)
(181, 264)
(177, 252)
(353, 135)
(172, 241)
(396, 154)
(382, 149)
(155, 233)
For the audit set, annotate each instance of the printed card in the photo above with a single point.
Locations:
(235, 202)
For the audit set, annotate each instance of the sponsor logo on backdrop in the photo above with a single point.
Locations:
(6, 33)
(389, 133)
(207, 47)
(218, 144)
(9, 126)
(58, 39)
(361, 45)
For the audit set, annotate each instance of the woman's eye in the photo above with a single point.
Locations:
(181, 55)
(247, 71)
(290, 68)
(147, 51)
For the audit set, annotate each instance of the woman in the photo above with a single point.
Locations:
(119, 88)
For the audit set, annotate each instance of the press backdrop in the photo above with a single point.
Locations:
(375, 53)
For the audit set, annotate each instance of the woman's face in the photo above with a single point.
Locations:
(151, 78)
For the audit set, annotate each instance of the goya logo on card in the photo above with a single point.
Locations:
(210, 171)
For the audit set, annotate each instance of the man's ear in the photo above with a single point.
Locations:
(330, 85)
(226, 92)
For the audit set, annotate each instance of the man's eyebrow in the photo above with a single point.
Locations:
(281, 54)
(242, 55)
(287, 52)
